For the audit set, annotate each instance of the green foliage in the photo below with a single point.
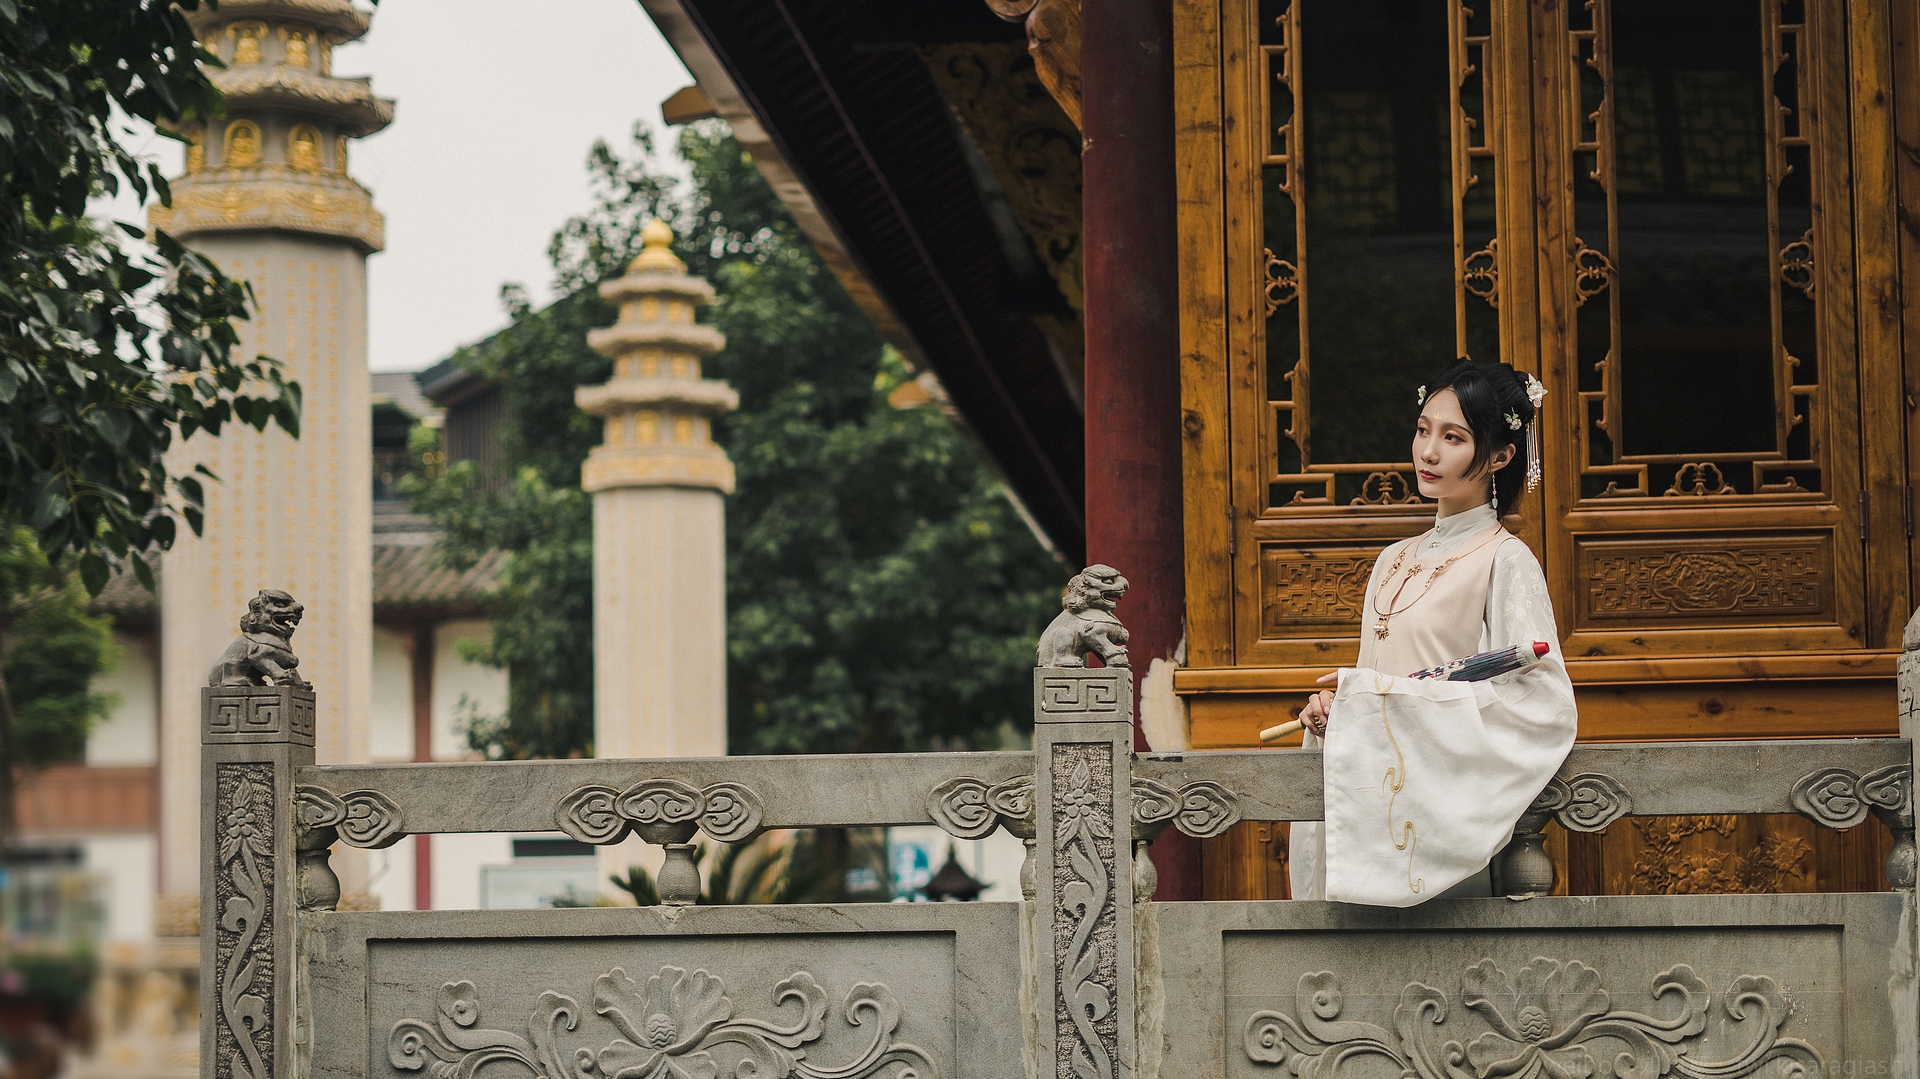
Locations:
(543, 628)
(806, 866)
(882, 592)
(60, 977)
(51, 650)
(105, 354)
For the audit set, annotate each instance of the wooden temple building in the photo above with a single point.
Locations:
(1179, 263)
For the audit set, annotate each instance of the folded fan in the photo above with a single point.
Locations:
(1474, 668)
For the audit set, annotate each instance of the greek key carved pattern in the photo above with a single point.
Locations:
(1552, 1019)
(1690, 583)
(1080, 695)
(364, 818)
(667, 1029)
(1085, 933)
(599, 814)
(243, 937)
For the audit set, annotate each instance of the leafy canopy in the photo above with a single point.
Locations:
(91, 391)
(882, 591)
(51, 650)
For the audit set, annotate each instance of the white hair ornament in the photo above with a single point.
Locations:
(1535, 394)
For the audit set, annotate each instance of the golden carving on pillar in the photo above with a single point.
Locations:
(297, 50)
(243, 145)
(284, 104)
(656, 299)
(246, 43)
(303, 148)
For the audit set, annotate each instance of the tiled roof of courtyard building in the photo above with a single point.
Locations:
(407, 579)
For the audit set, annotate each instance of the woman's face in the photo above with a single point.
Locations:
(1443, 452)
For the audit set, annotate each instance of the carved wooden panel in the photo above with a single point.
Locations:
(1740, 579)
(1317, 587)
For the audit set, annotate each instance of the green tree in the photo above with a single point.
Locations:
(105, 353)
(883, 593)
(51, 650)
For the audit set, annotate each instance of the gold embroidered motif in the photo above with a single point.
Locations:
(1396, 778)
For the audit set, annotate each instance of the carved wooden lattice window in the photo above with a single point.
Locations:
(1707, 469)
(1696, 327)
(1379, 260)
(1646, 204)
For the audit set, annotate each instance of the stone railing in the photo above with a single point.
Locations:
(1107, 984)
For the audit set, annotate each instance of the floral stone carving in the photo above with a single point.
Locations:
(668, 1029)
(1550, 1020)
(243, 939)
(1084, 933)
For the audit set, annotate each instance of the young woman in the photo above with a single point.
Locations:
(1425, 779)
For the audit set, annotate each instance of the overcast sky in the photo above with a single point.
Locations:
(497, 102)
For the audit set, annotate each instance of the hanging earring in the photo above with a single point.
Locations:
(1493, 489)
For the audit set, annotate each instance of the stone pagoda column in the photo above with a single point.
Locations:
(267, 197)
(659, 565)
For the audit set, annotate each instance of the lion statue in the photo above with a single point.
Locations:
(263, 653)
(1087, 624)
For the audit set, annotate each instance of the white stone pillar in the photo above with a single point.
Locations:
(659, 560)
(266, 196)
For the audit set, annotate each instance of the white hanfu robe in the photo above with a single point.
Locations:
(1426, 779)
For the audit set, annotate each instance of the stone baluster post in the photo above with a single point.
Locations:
(1899, 817)
(253, 739)
(1083, 870)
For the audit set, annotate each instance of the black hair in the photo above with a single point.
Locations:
(1489, 392)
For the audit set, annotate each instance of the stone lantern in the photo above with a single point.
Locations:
(658, 481)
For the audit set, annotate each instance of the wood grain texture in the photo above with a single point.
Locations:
(1838, 423)
(1205, 413)
(1877, 283)
(1241, 80)
(1733, 709)
(1906, 82)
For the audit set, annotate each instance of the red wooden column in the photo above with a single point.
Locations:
(1133, 342)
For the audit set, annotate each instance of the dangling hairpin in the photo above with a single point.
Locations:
(1535, 394)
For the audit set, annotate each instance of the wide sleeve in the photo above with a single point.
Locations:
(1425, 779)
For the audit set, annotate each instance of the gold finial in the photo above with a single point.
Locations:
(656, 256)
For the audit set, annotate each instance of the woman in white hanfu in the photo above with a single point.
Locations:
(1426, 779)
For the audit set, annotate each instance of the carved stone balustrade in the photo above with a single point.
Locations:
(1086, 978)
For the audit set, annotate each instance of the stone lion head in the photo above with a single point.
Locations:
(272, 611)
(1099, 587)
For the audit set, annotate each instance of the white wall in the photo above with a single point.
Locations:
(130, 735)
(390, 875)
(392, 716)
(457, 860)
(129, 866)
(454, 677)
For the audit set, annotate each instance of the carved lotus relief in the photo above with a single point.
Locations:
(679, 1025)
(1550, 1019)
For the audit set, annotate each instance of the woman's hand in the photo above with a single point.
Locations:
(1319, 707)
